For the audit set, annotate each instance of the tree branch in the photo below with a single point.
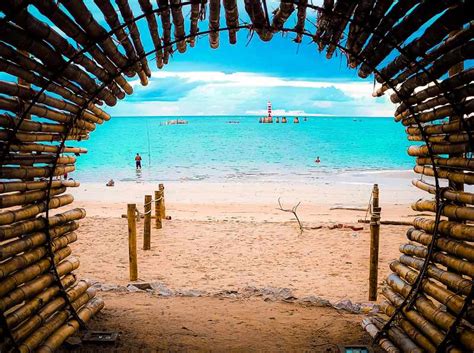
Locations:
(292, 210)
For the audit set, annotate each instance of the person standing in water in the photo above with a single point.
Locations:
(317, 160)
(138, 161)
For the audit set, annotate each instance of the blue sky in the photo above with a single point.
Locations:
(239, 79)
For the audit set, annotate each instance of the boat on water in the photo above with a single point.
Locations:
(175, 122)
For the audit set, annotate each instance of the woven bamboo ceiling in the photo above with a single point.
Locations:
(62, 61)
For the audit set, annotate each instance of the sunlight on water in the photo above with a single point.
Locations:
(209, 148)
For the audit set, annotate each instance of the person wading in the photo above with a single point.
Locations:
(138, 161)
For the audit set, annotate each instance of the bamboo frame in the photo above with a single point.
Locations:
(92, 75)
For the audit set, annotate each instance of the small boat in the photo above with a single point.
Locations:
(175, 122)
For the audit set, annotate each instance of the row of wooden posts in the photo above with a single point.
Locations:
(133, 215)
(160, 213)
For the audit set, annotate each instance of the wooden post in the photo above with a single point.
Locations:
(162, 208)
(147, 224)
(158, 195)
(132, 241)
(375, 199)
(374, 244)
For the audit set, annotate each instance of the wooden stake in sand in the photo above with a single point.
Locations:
(147, 224)
(374, 243)
(158, 198)
(132, 241)
(162, 204)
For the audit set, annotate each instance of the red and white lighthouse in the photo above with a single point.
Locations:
(269, 110)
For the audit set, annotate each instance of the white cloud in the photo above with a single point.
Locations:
(249, 79)
(220, 93)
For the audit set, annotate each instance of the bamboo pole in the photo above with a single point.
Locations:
(31, 211)
(57, 338)
(19, 262)
(454, 163)
(35, 185)
(147, 223)
(457, 176)
(453, 301)
(457, 212)
(373, 330)
(56, 305)
(425, 326)
(158, 223)
(37, 147)
(132, 241)
(422, 151)
(37, 285)
(374, 244)
(33, 240)
(409, 329)
(48, 113)
(433, 313)
(463, 267)
(57, 320)
(25, 227)
(162, 203)
(34, 172)
(450, 279)
(399, 337)
(374, 256)
(27, 197)
(27, 274)
(451, 247)
(451, 229)
(30, 159)
(32, 306)
(459, 196)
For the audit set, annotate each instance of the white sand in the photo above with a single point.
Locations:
(227, 236)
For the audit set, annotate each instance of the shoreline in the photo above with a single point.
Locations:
(298, 177)
(335, 190)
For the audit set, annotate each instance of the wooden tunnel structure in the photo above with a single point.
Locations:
(61, 63)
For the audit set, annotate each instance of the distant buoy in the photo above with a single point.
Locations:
(305, 119)
(260, 120)
(277, 120)
(283, 120)
(296, 120)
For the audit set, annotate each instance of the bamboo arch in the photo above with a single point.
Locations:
(429, 295)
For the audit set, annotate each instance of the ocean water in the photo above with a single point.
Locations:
(209, 148)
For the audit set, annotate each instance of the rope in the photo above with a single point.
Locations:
(369, 209)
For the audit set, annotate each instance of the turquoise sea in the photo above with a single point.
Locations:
(210, 148)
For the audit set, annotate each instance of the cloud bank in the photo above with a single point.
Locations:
(246, 93)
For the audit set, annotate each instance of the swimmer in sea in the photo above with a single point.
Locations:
(317, 160)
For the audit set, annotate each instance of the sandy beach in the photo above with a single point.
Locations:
(230, 241)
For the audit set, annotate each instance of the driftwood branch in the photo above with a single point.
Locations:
(292, 210)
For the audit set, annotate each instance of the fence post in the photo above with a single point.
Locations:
(162, 205)
(147, 224)
(158, 195)
(374, 244)
(132, 241)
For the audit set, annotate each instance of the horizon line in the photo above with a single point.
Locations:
(250, 115)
